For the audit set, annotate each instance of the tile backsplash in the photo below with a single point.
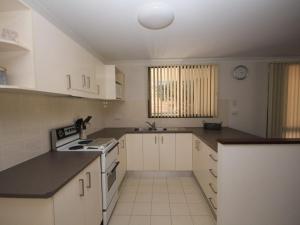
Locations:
(26, 119)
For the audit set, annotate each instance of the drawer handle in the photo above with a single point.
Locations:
(211, 156)
(212, 188)
(212, 204)
(212, 173)
(69, 81)
(82, 187)
(89, 179)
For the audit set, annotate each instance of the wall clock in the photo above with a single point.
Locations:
(240, 72)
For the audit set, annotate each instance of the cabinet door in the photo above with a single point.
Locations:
(69, 203)
(93, 197)
(184, 152)
(167, 152)
(122, 158)
(196, 157)
(151, 152)
(134, 144)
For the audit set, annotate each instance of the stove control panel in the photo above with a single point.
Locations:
(65, 132)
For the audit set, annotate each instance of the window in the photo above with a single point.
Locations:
(183, 91)
(284, 100)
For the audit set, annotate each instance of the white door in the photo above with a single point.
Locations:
(93, 197)
(134, 146)
(184, 152)
(69, 203)
(167, 152)
(151, 152)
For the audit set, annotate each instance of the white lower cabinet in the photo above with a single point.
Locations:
(122, 158)
(79, 202)
(167, 152)
(205, 170)
(184, 161)
(159, 152)
(163, 151)
(134, 147)
(151, 152)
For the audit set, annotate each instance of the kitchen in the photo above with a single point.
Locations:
(55, 74)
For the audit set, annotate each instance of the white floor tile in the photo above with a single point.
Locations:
(182, 220)
(145, 189)
(179, 209)
(123, 209)
(160, 181)
(160, 220)
(160, 197)
(203, 220)
(160, 209)
(195, 198)
(140, 220)
(143, 197)
(198, 209)
(163, 188)
(177, 198)
(127, 197)
(175, 189)
(127, 189)
(141, 209)
(191, 189)
(119, 220)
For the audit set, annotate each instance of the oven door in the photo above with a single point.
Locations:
(110, 186)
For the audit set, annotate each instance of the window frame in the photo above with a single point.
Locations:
(179, 117)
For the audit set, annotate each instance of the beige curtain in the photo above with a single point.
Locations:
(284, 100)
(183, 91)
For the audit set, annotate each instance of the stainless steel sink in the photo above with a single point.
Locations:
(146, 129)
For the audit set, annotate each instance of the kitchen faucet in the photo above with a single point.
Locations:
(152, 126)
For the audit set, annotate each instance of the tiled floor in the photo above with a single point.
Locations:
(160, 200)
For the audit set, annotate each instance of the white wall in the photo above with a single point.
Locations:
(246, 99)
(26, 119)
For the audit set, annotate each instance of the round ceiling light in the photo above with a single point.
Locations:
(156, 15)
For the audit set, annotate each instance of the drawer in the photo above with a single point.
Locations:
(213, 202)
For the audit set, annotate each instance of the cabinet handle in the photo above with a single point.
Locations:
(162, 139)
(82, 187)
(68, 81)
(212, 173)
(89, 179)
(212, 188)
(212, 204)
(83, 81)
(155, 139)
(88, 82)
(98, 89)
(211, 156)
(123, 143)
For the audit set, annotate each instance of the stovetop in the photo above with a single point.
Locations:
(100, 144)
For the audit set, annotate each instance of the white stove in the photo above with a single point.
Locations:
(68, 139)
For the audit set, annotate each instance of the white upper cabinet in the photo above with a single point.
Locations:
(111, 82)
(62, 66)
(16, 43)
(43, 58)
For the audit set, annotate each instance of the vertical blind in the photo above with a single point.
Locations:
(183, 91)
(284, 100)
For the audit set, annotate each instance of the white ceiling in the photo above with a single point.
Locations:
(202, 28)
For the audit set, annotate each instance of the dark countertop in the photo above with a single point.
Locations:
(230, 141)
(43, 176)
(210, 137)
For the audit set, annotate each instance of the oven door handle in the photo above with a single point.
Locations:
(113, 169)
(115, 145)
